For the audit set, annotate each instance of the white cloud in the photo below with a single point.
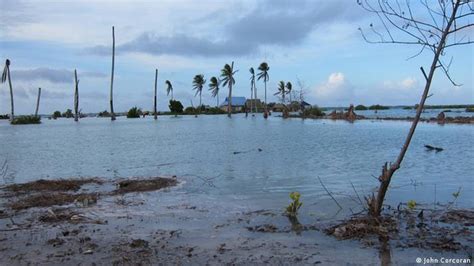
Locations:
(335, 91)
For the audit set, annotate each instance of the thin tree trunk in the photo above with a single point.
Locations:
(217, 100)
(255, 96)
(265, 114)
(112, 114)
(38, 102)
(154, 103)
(76, 97)
(229, 100)
(200, 97)
(12, 113)
(375, 203)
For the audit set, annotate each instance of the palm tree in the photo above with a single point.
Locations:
(227, 74)
(263, 74)
(289, 87)
(5, 76)
(112, 114)
(198, 83)
(169, 88)
(214, 88)
(281, 91)
(253, 91)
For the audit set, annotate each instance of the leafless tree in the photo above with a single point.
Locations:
(76, 97)
(38, 102)
(155, 112)
(112, 114)
(434, 26)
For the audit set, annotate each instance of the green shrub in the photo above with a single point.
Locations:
(134, 112)
(361, 107)
(26, 119)
(378, 107)
(295, 205)
(176, 107)
(103, 114)
(407, 108)
(314, 111)
(4, 117)
(68, 114)
(411, 204)
(56, 114)
(215, 111)
(470, 109)
(190, 110)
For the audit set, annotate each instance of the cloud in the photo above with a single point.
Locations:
(335, 91)
(406, 84)
(51, 75)
(275, 23)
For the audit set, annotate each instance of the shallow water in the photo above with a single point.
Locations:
(294, 153)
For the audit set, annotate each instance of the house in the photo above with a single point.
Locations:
(238, 104)
(252, 103)
(299, 106)
(279, 107)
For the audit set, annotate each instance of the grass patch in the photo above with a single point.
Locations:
(51, 185)
(26, 119)
(128, 186)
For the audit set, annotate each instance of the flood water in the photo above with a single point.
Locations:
(233, 168)
(220, 156)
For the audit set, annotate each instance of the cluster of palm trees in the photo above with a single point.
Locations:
(284, 89)
(226, 79)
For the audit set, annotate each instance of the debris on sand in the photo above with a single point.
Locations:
(464, 217)
(362, 226)
(51, 185)
(266, 228)
(67, 215)
(139, 243)
(52, 199)
(128, 186)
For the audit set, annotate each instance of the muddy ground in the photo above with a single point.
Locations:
(132, 222)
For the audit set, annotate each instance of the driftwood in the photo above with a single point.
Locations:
(433, 148)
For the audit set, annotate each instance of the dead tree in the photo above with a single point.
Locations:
(38, 102)
(155, 112)
(442, 25)
(76, 97)
(5, 77)
(112, 114)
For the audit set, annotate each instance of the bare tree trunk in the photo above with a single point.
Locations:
(12, 113)
(200, 98)
(38, 102)
(76, 97)
(255, 96)
(229, 99)
(375, 203)
(265, 114)
(154, 103)
(112, 114)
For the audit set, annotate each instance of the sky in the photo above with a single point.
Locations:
(314, 42)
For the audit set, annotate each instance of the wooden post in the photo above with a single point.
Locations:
(112, 114)
(76, 97)
(38, 102)
(155, 112)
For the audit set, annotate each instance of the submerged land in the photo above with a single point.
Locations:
(92, 220)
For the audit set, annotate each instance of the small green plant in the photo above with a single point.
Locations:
(313, 111)
(411, 204)
(134, 112)
(56, 114)
(105, 113)
(68, 114)
(26, 119)
(295, 205)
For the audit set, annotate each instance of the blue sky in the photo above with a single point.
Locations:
(317, 42)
